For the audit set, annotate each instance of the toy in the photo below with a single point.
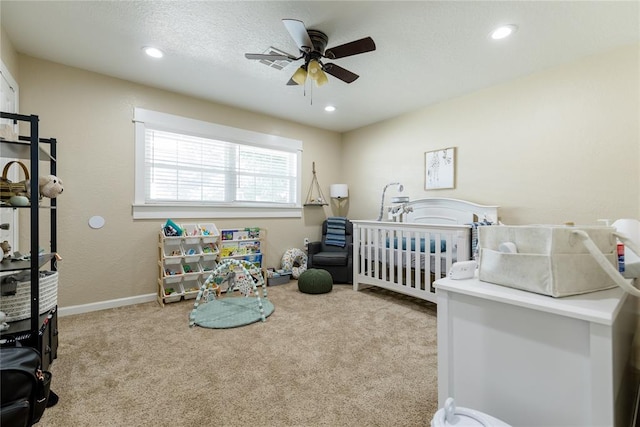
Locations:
(50, 186)
(6, 249)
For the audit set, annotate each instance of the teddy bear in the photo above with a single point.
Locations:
(6, 249)
(50, 186)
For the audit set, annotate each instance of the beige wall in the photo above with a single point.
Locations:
(8, 54)
(557, 146)
(91, 116)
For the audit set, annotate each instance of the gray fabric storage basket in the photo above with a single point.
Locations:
(550, 260)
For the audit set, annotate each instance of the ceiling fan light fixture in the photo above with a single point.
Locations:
(329, 108)
(314, 68)
(300, 76)
(312, 48)
(321, 78)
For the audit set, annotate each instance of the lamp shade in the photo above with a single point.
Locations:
(314, 68)
(339, 191)
(300, 76)
(321, 79)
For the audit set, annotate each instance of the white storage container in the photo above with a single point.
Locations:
(191, 251)
(209, 233)
(210, 250)
(172, 251)
(171, 270)
(164, 234)
(172, 292)
(191, 268)
(191, 233)
(191, 286)
(208, 265)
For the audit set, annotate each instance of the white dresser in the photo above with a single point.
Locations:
(533, 360)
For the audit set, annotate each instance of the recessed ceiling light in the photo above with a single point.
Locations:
(503, 31)
(329, 108)
(153, 52)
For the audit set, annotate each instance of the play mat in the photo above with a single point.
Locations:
(214, 310)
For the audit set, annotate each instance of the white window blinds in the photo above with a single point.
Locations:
(188, 162)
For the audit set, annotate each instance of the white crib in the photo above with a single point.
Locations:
(409, 254)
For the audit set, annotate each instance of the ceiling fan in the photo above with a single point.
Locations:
(312, 44)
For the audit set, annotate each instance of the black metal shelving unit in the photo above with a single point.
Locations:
(33, 331)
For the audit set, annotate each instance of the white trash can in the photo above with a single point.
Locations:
(451, 415)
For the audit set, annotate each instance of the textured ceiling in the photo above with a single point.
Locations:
(427, 51)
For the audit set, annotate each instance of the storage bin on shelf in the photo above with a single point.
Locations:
(191, 252)
(210, 250)
(171, 270)
(191, 234)
(209, 233)
(191, 268)
(191, 286)
(176, 227)
(172, 292)
(207, 265)
(172, 251)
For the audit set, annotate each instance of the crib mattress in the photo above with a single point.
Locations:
(418, 260)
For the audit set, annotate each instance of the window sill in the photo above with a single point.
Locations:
(207, 211)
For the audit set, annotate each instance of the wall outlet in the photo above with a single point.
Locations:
(306, 242)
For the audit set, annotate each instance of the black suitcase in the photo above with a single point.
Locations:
(24, 387)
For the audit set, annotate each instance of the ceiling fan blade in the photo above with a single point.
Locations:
(340, 73)
(353, 48)
(269, 57)
(292, 82)
(299, 34)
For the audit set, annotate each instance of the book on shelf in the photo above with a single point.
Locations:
(249, 247)
(255, 259)
(253, 232)
(241, 233)
(229, 249)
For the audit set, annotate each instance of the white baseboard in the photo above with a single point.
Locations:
(103, 305)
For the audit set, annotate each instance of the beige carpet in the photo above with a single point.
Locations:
(339, 359)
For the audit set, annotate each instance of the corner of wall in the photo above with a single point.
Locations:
(8, 54)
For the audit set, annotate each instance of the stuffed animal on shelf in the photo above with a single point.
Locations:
(6, 249)
(3, 325)
(50, 186)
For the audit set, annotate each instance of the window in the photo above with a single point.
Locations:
(187, 168)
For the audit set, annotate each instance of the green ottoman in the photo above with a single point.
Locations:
(315, 281)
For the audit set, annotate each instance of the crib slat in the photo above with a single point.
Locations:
(395, 256)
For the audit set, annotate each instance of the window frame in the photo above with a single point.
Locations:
(144, 118)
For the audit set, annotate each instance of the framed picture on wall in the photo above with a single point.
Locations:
(440, 169)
